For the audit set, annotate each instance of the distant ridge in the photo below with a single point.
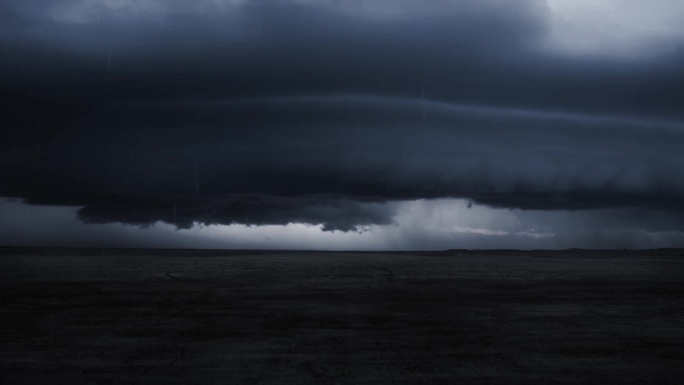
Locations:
(100, 251)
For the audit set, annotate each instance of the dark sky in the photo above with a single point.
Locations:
(342, 124)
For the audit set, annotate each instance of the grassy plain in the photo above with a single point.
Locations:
(91, 316)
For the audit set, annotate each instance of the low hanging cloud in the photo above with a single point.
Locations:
(335, 114)
(331, 214)
(308, 160)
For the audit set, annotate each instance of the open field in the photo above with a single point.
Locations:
(232, 317)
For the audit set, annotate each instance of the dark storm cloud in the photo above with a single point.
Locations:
(262, 114)
(333, 214)
(308, 159)
(476, 52)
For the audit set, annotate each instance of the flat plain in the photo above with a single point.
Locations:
(107, 316)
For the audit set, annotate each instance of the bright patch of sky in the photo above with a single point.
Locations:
(617, 28)
(631, 28)
(418, 225)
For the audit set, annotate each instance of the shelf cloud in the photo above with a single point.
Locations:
(340, 114)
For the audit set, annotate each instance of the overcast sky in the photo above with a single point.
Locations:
(359, 124)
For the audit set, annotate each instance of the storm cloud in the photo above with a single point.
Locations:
(334, 113)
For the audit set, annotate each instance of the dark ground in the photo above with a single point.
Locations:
(231, 317)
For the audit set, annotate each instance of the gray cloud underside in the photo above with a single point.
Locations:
(308, 159)
(477, 52)
(295, 113)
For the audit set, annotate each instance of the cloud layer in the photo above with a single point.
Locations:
(334, 113)
(309, 160)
